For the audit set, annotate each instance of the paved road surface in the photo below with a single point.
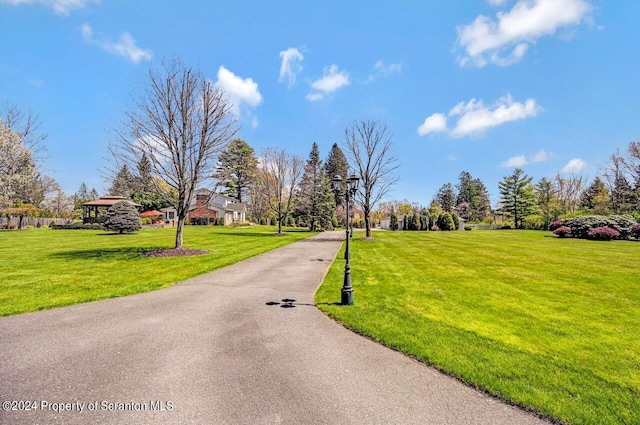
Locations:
(223, 348)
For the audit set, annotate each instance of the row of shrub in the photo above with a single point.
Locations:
(597, 227)
(77, 226)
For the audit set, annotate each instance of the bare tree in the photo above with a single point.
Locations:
(278, 177)
(27, 128)
(568, 191)
(369, 150)
(181, 122)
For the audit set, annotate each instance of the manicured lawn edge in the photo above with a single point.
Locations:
(44, 268)
(375, 311)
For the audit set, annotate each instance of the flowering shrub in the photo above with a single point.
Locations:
(555, 225)
(562, 232)
(581, 226)
(603, 234)
(435, 228)
(635, 231)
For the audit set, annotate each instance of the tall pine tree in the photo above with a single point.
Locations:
(517, 196)
(336, 165)
(236, 169)
(315, 197)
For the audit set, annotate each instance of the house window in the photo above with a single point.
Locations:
(201, 197)
(171, 215)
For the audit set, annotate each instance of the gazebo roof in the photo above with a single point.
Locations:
(107, 201)
(152, 213)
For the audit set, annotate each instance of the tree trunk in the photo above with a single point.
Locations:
(367, 224)
(280, 218)
(179, 230)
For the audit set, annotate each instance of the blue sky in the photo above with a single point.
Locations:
(552, 86)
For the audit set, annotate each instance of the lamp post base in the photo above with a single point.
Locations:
(347, 296)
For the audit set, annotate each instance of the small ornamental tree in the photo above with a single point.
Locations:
(122, 217)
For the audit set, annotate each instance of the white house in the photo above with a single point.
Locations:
(206, 207)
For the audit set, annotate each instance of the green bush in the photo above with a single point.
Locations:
(445, 222)
(469, 228)
(456, 221)
(581, 225)
(534, 222)
(413, 223)
(145, 220)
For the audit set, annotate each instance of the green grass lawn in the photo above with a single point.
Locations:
(550, 324)
(45, 268)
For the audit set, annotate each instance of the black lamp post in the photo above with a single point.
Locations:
(350, 190)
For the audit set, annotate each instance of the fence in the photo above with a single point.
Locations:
(32, 221)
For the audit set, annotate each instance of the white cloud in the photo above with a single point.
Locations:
(238, 90)
(59, 7)
(291, 65)
(541, 156)
(433, 124)
(314, 97)
(504, 41)
(126, 46)
(522, 160)
(332, 80)
(574, 166)
(496, 2)
(516, 161)
(476, 118)
(385, 70)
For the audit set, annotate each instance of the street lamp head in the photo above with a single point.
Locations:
(353, 183)
(336, 184)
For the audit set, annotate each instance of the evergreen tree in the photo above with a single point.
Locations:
(413, 222)
(336, 165)
(596, 198)
(94, 193)
(236, 169)
(473, 192)
(445, 221)
(623, 197)
(122, 183)
(122, 217)
(316, 201)
(517, 196)
(446, 197)
(393, 222)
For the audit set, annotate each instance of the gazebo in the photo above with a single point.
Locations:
(93, 211)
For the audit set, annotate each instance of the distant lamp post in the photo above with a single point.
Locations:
(350, 189)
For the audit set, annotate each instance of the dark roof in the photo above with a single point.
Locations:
(107, 201)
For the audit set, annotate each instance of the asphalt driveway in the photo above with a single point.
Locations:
(241, 345)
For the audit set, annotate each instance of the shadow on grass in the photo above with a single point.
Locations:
(125, 253)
